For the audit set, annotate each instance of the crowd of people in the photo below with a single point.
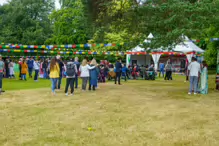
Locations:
(91, 73)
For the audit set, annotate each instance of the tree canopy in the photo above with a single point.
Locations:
(110, 21)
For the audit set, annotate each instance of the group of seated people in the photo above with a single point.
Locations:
(130, 72)
(144, 72)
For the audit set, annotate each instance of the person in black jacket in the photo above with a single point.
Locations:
(7, 68)
(118, 69)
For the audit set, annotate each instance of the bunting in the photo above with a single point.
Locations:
(88, 52)
(69, 46)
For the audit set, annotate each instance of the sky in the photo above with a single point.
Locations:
(57, 3)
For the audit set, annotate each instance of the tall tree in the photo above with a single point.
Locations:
(70, 24)
(26, 21)
(167, 19)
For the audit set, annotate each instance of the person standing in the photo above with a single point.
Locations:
(44, 68)
(54, 74)
(36, 66)
(118, 69)
(7, 68)
(194, 69)
(2, 66)
(93, 75)
(61, 65)
(186, 70)
(168, 69)
(162, 66)
(78, 66)
(124, 71)
(30, 66)
(84, 69)
(11, 69)
(24, 71)
(204, 78)
(71, 71)
(20, 63)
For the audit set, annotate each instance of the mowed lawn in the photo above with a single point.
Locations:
(138, 113)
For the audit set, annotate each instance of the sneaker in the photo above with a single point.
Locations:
(195, 93)
(66, 94)
(72, 94)
(189, 93)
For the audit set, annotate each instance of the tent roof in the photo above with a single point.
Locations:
(138, 49)
(187, 46)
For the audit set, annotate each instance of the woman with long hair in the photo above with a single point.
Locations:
(93, 75)
(54, 74)
(204, 78)
(84, 69)
(24, 71)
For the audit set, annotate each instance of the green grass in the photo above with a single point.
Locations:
(138, 113)
(15, 84)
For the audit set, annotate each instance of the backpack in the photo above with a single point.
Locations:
(70, 69)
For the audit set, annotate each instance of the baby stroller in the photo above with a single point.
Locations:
(150, 74)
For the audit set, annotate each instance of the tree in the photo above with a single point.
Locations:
(25, 21)
(167, 20)
(70, 24)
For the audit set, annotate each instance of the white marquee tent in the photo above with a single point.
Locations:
(185, 47)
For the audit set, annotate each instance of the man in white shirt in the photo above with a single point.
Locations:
(194, 69)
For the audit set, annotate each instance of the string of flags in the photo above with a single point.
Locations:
(68, 46)
(74, 46)
(88, 52)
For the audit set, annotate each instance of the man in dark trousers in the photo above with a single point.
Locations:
(7, 68)
(30, 66)
(118, 70)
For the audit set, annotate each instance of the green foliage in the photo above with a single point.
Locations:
(25, 21)
(211, 54)
(70, 24)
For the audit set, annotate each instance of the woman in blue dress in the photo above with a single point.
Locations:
(204, 78)
(93, 75)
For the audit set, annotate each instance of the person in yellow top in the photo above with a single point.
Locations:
(54, 74)
(24, 70)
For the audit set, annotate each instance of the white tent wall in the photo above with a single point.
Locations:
(140, 59)
(189, 57)
(156, 58)
(128, 60)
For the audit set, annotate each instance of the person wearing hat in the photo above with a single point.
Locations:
(2, 65)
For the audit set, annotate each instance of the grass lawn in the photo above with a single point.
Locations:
(138, 113)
